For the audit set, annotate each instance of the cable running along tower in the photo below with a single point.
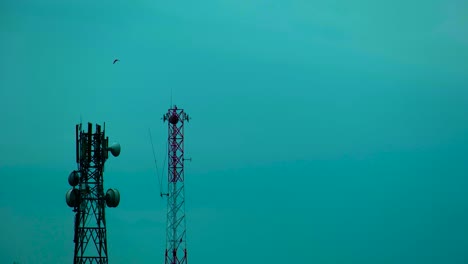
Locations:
(86, 196)
(176, 248)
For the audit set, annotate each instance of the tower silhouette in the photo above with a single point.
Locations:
(176, 248)
(86, 196)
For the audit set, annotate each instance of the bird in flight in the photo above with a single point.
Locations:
(116, 60)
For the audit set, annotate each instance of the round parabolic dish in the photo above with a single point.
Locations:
(173, 119)
(74, 178)
(112, 197)
(72, 196)
(115, 149)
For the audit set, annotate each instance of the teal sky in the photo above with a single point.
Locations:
(323, 131)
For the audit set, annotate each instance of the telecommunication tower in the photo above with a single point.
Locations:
(176, 247)
(86, 196)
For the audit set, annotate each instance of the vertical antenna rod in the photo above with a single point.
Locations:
(176, 248)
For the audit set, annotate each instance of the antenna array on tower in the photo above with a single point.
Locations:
(86, 196)
(176, 248)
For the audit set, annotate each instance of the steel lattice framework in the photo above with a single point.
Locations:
(176, 248)
(87, 198)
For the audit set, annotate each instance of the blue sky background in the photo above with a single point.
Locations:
(322, 131)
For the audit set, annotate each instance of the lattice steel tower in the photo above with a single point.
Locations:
(87, 195)
(176, 248)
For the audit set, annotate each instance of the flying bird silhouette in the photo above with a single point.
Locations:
(116, 60)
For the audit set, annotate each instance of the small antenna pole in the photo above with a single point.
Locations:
(155, 164)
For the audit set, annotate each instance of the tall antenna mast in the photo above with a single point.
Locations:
(176, 248)
(86, 196)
